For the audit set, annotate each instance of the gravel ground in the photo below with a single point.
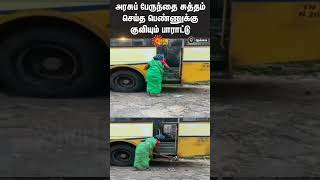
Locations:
(53, 137)
(188, 101)
(182, 170)
(266, 126)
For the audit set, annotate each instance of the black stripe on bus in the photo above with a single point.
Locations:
(125, 139)
(193, 136)
(6, 12)
(130, 64)
(196, 61)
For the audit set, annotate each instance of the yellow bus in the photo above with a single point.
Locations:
(53, 47)
(250, 32)
(189, 62)
(179, 137)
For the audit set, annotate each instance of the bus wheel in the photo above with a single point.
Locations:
(122, 155)
(51, 62)
(126, 81)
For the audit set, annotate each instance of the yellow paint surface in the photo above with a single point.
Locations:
(195, 72)
(196, 64)
(134, 142)
(194, 139)
(193, 146)
(274, 32)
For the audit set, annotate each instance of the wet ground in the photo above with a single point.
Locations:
(53, 137)
(266, 126)
(187, 101)
(181, 170)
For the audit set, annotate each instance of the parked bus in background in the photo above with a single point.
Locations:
(252, 32)
(179, 137)
(54, 48)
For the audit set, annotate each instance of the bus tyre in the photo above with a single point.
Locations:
(126, 81)
(122, 155)
(52, 62)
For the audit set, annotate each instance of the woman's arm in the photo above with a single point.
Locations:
(165, 64)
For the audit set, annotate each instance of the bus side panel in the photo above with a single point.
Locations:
(193, 146)
(196, 64)
(83, 13)
(194, 139)
(139, 67)
(131, 55)
(134, 142)
(98, 21)
(274, 32)
(130, 130)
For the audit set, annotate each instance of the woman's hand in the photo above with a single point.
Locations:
(165, 64)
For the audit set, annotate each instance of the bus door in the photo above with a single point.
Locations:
(173, 55)
(167, 133)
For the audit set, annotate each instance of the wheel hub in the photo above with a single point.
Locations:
(123, 156)
(47, 62)
(52, 63)
(126, 81)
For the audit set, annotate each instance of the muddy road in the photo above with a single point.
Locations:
(266, 126)
(53, 137)
(187, 101)
(162, 169)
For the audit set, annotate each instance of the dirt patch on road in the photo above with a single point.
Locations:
(266, 126)
(53, 137)
(188, 101)
(184, 169)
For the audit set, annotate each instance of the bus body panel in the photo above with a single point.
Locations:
(193, 146)
(196, 64)
(139, 68)
(194, 129)
(193, 139)
(133, 142)
(131, 130)
(134, 58)
(274, 32)
(93, 15)
(132, 55)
